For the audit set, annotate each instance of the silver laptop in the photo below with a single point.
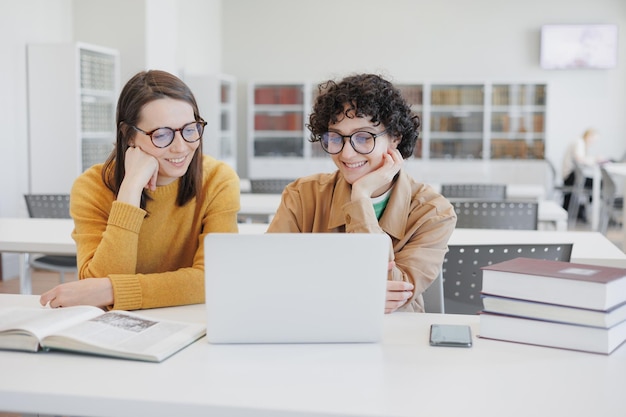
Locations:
(295, 287)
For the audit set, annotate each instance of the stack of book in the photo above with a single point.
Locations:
(557, 304)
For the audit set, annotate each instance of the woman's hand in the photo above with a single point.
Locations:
(368, 184)
(398, 292)
(142, 171)
(90, 291)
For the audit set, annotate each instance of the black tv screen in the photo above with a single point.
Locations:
(578, 46)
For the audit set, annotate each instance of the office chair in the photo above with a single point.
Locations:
(51, 206)
(612, 205)
(481, 214)
(478, 191)
(269, 186)
(433, 296)
(580, 196)
(557, 189)
(462, 276)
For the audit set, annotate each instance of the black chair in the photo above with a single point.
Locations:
(580, 196)
(51, 206)
(462, 276)
(478, 214)
(477, 191)
(269, 185)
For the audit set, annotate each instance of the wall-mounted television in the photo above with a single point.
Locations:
(578, 46)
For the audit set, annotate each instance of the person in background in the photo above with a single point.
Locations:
(368, 129)
(141, 217)
(578, 152)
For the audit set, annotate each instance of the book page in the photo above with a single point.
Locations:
(43, 321)
(128, 335)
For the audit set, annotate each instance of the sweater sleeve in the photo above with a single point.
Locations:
(113, 240)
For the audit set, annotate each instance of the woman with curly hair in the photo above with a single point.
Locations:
(369, 192)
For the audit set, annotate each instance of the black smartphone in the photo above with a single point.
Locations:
(456, 335)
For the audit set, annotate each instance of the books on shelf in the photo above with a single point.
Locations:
(90, 330)
(553, 303)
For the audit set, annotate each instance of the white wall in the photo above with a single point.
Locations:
(430, 41)
(283, 40)
(119, 24)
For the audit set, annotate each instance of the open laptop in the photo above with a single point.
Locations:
(295, 287)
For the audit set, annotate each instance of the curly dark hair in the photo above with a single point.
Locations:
(365, 95)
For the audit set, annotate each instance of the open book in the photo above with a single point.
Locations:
(90, 330)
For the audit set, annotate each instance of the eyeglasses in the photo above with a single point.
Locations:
(163, 137)
(361, 141)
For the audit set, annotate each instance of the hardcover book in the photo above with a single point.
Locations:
(552, 334)
(90, 330)
(556, 282)
(554, 312)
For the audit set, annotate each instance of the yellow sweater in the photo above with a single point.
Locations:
(153, 258)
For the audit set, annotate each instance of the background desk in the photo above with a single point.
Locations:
(402, 376)
(550, 214)
(26, 235)
(589, 247)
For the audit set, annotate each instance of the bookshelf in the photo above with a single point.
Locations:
(460, 122)
(518, 114)
(83, 81)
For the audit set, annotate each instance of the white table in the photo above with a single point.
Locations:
(25, 236)
(549, 212)
(588, 247)
(402, 376)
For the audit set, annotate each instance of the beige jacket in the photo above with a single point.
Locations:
(418, 220)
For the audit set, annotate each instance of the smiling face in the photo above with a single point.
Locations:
(174, 159)
(352, 164)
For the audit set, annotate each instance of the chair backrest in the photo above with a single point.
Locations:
(48, 205)
(269, 186)
(481, 191)
(463, 278)
(478, 214)
(608, 194)
(433, 296)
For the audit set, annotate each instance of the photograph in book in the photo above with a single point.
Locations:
(552, 334)
(90, 330)
(571, 284)
(554, 312)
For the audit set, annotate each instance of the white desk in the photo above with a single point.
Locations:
(25, 235)
(550, 214)
(402, 376)
(588, 246)
(618, 171)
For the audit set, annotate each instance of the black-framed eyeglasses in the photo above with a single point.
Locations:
(362, 142)
(162, 137)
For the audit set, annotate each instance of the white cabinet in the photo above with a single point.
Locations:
(72, 95)
(216, 96)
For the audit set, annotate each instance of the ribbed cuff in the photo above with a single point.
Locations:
(126, 292)
(126, 216)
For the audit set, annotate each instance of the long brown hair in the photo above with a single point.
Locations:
(141, 89)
